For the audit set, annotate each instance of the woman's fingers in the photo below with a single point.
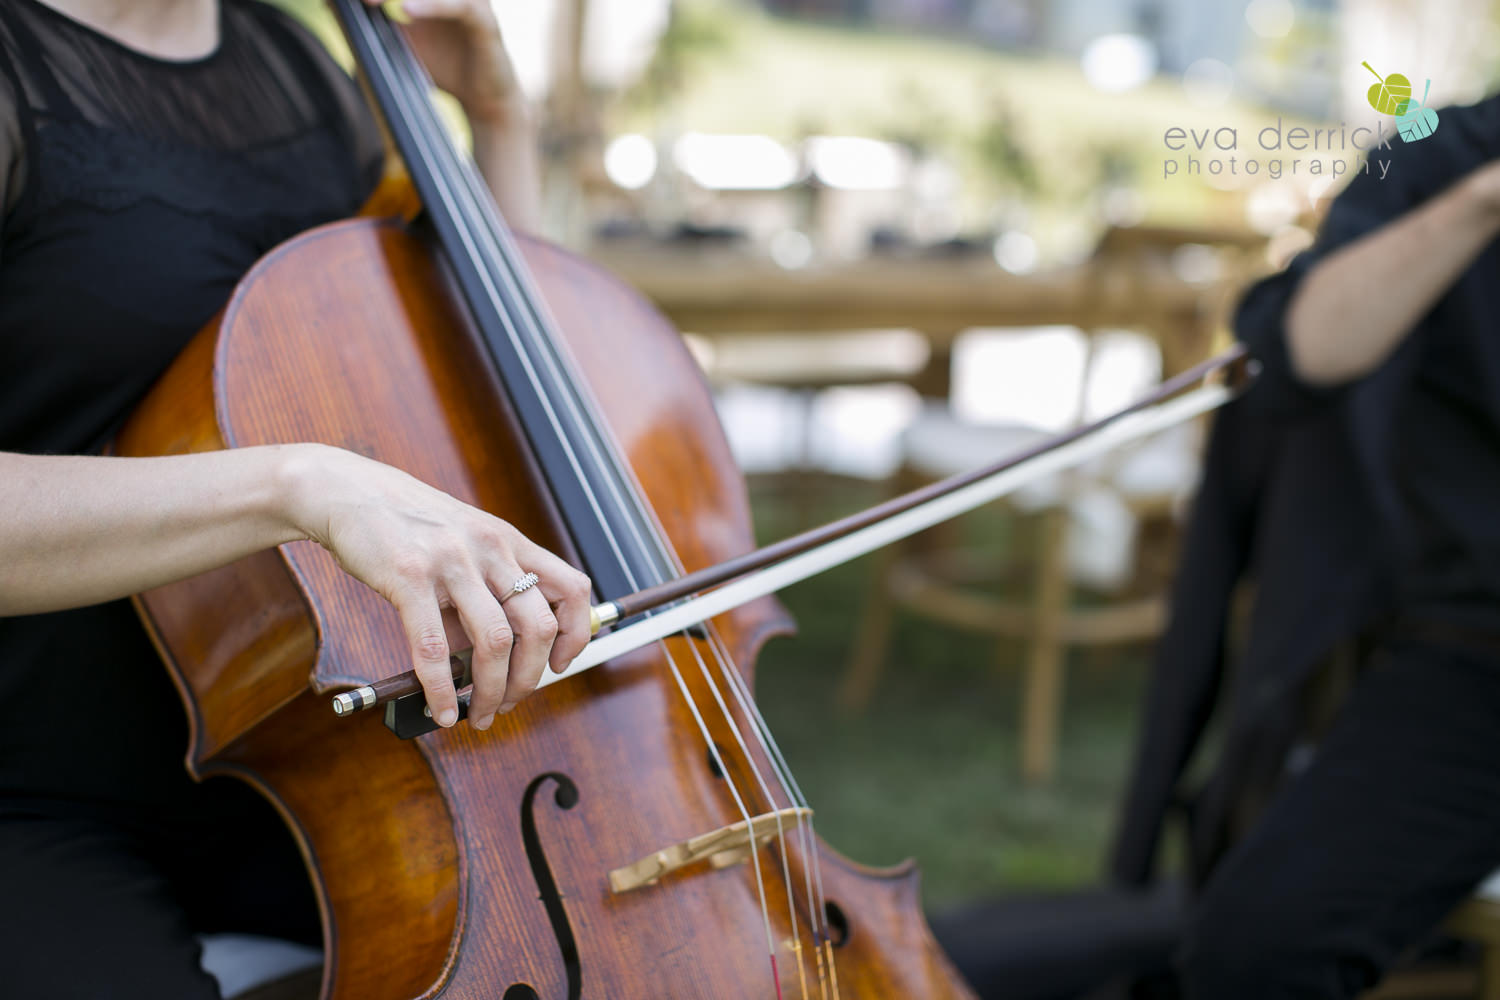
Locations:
(423, 621)
(449, 570)
(536, 627)
(569, 593)
(515, 636)
(493, 638)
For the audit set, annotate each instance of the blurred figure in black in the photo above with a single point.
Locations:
(1387, 331)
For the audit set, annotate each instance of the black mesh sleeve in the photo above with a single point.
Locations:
(12, 133)
(367, 141)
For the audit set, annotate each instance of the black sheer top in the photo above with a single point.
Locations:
(137, 192)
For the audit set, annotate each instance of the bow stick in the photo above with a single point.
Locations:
(794, 559)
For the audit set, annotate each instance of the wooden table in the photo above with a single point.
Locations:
(723, 292)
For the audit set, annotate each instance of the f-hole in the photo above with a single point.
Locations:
(838, 925)
(566, 798)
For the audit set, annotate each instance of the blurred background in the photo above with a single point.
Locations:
(907, 236)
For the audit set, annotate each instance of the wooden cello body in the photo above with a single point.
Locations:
(487, 865)
(467, 864)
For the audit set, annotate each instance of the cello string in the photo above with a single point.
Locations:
(371, 26)
(468, 175)
(413, 104)
(781, 837)
(749, 820)
(813, 870)
(586, 412)
(419, 120)
(577, 401)
(472, 182)
(581, 402)
(737, 681)
(670, 559)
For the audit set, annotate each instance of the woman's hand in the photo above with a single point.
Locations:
(84, 529)
(448, 569)
(460, 44)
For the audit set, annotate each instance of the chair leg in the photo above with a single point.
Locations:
(1042, 699)
(872, 643)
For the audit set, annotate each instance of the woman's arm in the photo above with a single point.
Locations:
(459, 42)
(81, 530)
(505, 148)
(1357, 305)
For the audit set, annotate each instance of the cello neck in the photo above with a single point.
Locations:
(608, 522)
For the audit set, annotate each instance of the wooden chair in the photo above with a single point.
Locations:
(1127, 260)
(934, 578)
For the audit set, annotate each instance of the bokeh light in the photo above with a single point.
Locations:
(735, 162)
(1208, 83)
(1117, 63)
(630, 161)
(1271, 18)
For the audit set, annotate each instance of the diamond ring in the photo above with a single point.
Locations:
(522, 584)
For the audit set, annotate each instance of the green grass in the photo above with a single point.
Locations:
(930, 769)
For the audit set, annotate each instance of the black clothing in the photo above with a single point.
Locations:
(1433, 451)
(138, 191)
(1350, 508)
(147, 188)
(1344, 505)
(1392, 825)
(1281, 502)
(96, 910)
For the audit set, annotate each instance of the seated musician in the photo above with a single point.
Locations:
(1392, 316)
(152, 151)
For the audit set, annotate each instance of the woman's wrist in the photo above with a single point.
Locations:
(489, 92)
(300, 486)
(492, 116)
(505, 149)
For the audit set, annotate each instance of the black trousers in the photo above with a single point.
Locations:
(105, 904)
(1393, 823)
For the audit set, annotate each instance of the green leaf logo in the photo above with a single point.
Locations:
(1391, 95)
(1415, 121)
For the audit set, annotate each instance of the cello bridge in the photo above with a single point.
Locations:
(729, 845)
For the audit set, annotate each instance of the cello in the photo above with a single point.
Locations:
(633, 833)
